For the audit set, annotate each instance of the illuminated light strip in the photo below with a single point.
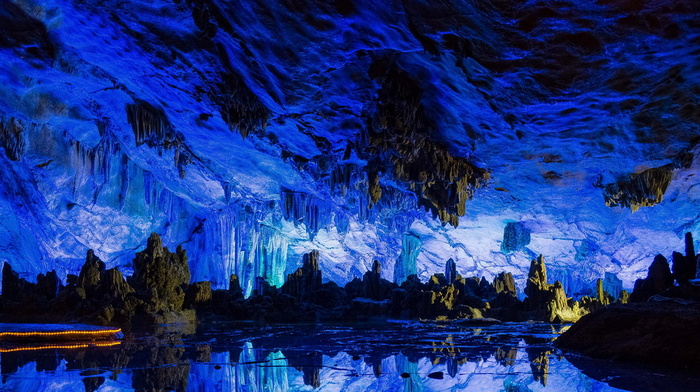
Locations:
(59, 333)
(59, 346)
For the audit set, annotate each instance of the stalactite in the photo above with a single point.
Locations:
(238, 240)
(150, 124)
(148, 187)
(406, 264)
(299, 207)
(11, 138)
(643, 189)
(404, 133)
(228, 188)
(343, 176)
(240, 108)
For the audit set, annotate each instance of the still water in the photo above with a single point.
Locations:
(401, 356)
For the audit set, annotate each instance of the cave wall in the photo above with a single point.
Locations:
(251, 133)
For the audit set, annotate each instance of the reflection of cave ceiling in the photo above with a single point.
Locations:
(251, 132)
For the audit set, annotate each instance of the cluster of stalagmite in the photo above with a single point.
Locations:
(160, 291)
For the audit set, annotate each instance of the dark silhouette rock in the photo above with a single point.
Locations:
(91, 272)
(658, 279)
(48, 285)
(373, 286)
(234, 286)
(114, 285)
(198, 294)
(689, 245)
(304, 280)
(662, 334)
(14, 288)
(330, 296)
(684, 266)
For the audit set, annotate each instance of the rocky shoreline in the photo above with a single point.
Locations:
(159, 291)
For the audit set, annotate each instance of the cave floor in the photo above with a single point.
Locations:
(388, 356)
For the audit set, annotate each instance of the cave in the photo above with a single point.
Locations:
(349, 195)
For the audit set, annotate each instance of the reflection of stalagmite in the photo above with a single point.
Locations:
(310, 364)
(163, 368)
(506, 358)
(256, 371)
(539, 364)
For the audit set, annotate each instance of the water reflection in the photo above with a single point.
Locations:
(402, 357)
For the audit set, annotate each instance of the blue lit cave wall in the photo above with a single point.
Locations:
(411, 132)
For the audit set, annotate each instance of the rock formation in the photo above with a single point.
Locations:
(91, 272)
(159, 275)
(159, 292)
(305, 280)
(14, 288)
(505, 283)
(658, 279)
(549, 301)
(685, 266)
(450, 271)
(536, 287)
(663, 334)
(658, 327)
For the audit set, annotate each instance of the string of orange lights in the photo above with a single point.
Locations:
(59, 346)
(76, 333)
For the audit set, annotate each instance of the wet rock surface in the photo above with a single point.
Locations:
(662, 334)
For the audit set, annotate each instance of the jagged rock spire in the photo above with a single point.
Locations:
(377, 267)
(536, 277)
(450, 271)
(689, 246)
(306, 279)
(160, 274)
(658, 279)
(91, 271)
(505, 283)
